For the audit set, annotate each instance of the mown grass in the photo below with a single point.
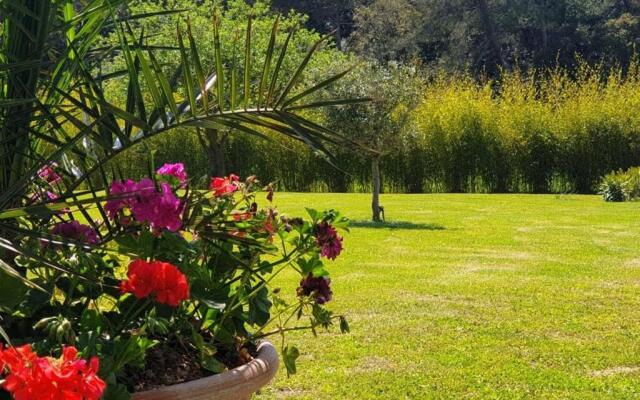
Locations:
(477, 296)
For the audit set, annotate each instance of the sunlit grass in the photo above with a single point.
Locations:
(472, 296)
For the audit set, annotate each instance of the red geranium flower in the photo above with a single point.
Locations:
(224, 186)
(29, 377)
(161, 280)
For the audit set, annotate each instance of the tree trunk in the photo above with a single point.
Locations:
(214, 142)
(375, 201)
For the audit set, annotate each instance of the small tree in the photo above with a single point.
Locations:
(382, 123)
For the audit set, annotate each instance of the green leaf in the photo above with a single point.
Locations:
(259, 306)
(247, 66)
(317, 87)
(266, 68)
(116, 391)
(277, 69)
(298, 74)
(7, 269)
(328, 103)
(4, 336)
(12, 291)
(218, 59)
(314, 214)
(289, 355)
(344, 325)
(198, 66)
(131, 351)
(211, 363)
(186, 71)
(91, 320)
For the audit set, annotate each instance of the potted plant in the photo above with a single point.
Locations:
(156, 287)
(183, 288)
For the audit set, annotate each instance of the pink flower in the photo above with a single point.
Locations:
(160, 209)
(224, 186)
(174, 170)
(328, 240)
(48, 173)
(76, 231)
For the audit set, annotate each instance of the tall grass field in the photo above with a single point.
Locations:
(477, 297)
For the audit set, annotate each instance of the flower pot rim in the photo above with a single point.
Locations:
(238, 383)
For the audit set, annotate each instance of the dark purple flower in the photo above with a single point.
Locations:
(175, 170)
(318, 288)
(76, 231)
(328, 240)
(270, 193)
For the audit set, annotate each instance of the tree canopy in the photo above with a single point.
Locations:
(482, 35)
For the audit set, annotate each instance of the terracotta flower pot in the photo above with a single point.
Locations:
(237, 384)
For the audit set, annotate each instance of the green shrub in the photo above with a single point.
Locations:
(612, 187)
(621, 186)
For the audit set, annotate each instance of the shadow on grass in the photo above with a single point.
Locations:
(396, 225)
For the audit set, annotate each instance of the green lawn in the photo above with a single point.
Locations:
(477, 296)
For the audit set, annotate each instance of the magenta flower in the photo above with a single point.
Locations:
(125, 191)
(328, 240)
(76, 231)
(175, 170)
(318, 288)
(160, 209)
(48, 173)
(48, 197)
(44, 198)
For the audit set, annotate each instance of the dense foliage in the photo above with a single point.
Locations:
(480, 34)
(542, 131)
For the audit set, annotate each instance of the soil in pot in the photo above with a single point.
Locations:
(173, 363)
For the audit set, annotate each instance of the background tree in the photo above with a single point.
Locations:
(376, 23)
(382, 123)
(233, 16)
(483, 35)
(326, 16)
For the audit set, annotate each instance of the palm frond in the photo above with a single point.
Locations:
(102, 130)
